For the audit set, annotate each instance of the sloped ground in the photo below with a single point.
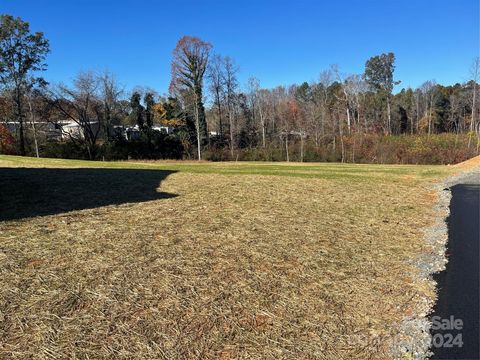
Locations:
(469, 164)
(235, 261)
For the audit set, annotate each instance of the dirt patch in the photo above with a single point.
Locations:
(470, 163)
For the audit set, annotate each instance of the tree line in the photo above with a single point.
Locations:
(213, 117)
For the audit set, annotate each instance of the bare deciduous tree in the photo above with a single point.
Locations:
(217, 87)
(474, 74)
(82, 105)
(110, 93)
(189, 63)
(230, 72)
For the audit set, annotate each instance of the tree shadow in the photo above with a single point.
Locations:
(29, 192)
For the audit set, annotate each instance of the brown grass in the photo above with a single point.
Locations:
(235, 266)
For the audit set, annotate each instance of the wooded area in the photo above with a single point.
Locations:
(208, 114)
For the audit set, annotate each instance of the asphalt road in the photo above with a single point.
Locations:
(459, 283)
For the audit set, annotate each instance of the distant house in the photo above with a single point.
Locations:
(133, 132)
(161, 128)
(53, 130)
(72, 129)
(48, 129)
(67, 129)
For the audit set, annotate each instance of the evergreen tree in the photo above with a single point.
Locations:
(149, 102)
(379, 75)
(138, 110)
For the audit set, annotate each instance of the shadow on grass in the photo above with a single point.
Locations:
(29, 192)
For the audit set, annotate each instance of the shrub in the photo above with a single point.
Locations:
(445, 148)
(64, 150)
(150, 145)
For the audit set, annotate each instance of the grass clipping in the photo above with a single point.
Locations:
(235, 266)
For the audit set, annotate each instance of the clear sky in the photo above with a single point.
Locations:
(280, 42)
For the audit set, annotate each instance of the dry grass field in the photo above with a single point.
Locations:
(171, 260)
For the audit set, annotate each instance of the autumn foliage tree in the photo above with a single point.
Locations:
(7, 142)
(168, 114)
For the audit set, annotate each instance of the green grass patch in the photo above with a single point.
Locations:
(310, 170)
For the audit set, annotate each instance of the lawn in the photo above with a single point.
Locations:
(209, 260)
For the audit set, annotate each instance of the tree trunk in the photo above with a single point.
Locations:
(347, 110)
(35, 139)
(348, 121)
(322, 123)
(262, 124)
(230, 120)
(343, 148)
(418, 112)
(263, 136)
(389, 118)
(430, 124)
(358, 115)
(34, 128)
(219, 109)
(18, 102)
(22, 138)
(89, 152)
(365, 124)
(412, 124)
(286, 147)
(341, 142)
(353, 150)
(301, 147)
(472, 123)
(197, 126)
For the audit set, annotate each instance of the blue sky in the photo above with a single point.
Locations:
(280, 42)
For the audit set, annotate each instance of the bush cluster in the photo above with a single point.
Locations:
(151, 145)
(446, 148)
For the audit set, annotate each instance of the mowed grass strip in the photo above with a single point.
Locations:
(227, 262)
(318, 170)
